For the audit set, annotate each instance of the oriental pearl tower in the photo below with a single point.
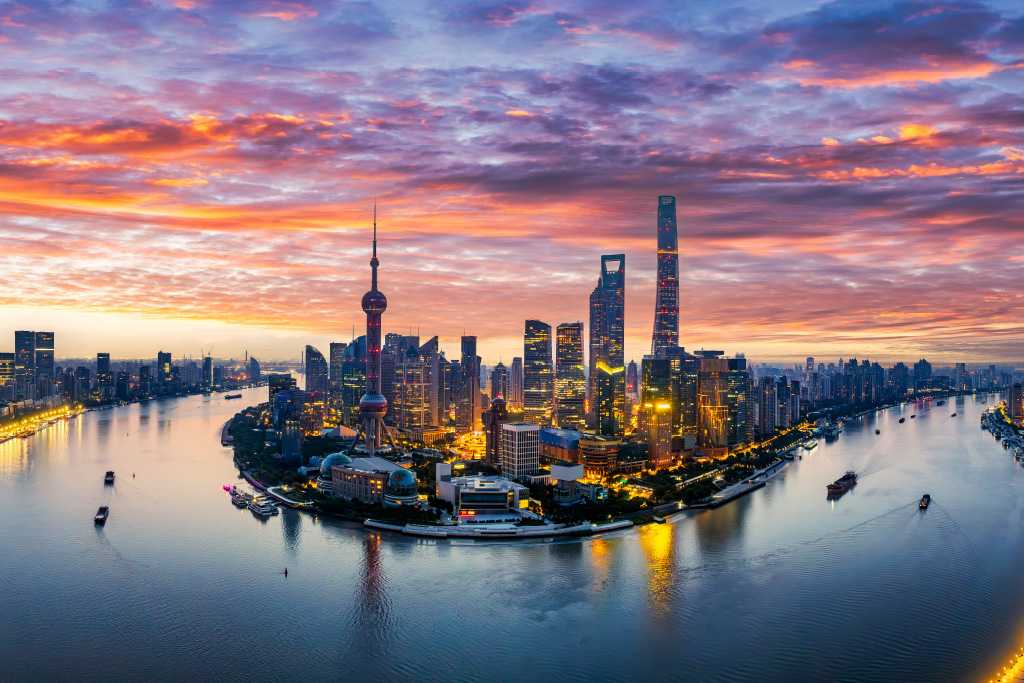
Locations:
(373, 405)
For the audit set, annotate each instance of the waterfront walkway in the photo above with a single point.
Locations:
(225, 438)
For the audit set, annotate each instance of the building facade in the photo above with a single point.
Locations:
(520, 449)
(538, 377)
(570, 382)
(666, 306)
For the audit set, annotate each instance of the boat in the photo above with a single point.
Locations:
(878, 431)
(810, 445)
(101, 515)
(108, 478)
(912, 417)
(953, 415)
(925, 499)
(902, 420)
(659, 520)
(788, 455)
(940, 403)
(228, 397)
(842, 483)
(263, 507)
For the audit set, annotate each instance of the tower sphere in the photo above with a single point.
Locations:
(374, 302)
(373, 404)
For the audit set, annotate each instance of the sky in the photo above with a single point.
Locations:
(181, 174)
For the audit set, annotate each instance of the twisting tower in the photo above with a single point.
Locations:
(373, 405)
(666, 309)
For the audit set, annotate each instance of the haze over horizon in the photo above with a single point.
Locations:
(180, 174)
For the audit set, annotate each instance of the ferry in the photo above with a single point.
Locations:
(842, 484)
(810, 445)
(263, 508)
(925, 499)
(108, 478)
(101, 515)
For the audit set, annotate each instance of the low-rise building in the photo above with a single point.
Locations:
(362, 479)
(560, 444)
(481, 499)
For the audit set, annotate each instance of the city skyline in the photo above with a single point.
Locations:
(843, 173)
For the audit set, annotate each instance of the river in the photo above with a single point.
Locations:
(782, 585)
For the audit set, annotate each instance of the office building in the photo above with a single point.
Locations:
(666, 306)
(713, 407)
(335, 372)
(923, 375)
(1015, 403)
(633, 382)
(317, 376)
(520, 449)
(25, 363)
(493, 420)
(570, 381)
(611, 385)
(515, 384)
(607, 325)
(538, 385)
(44, 363)
(163, 369)
(654, 422)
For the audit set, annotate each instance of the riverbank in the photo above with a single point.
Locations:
(225, 438)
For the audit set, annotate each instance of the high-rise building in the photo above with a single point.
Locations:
(607, 325)
(253, 371)
(1015, 403)
(104, 377)
(922, 375)
(713, 406)
(317, 378)
(570, 381)
(666, 307)
(373, 405)
(499, 381)
(520, 449)
(493, 420)
(207, 371)
(611, 384)
(44, 364)
(515, 384)
(337, 352)
(767, 406)
(655, 425)
(538, 387)
(809, 368)
(163, 368)
(144, 388)
(468, 405)
(279, 383)
(25, 363)
(632, 381)
(412, 390)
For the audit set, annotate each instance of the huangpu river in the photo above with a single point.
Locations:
(782, 585)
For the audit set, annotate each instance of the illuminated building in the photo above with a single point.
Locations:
(25, 363)
(655, 427)
(104, 377)
(599, 454)
(538, 386)
(412, 391)
(317, 379)
(163, 369)
(809, 368)
(253, 371)
(607, 325)
(570, 381)
(44, 364)
(468, 404)
(666, 307)
(1015, 403)
(713, 407)
(560, 444)
(740, 402)
(433, 359)
(499, 381)
(922, 375)
(353, 381)
(144, 388)
(362, 479)
(632, 381)
(480, 499)
(335, 374)
(207, 372)
(373, 405)
(515, 383)
(520, 449)
(278, 383)
(400, 489)
(766, 407)
(611, 386)
(6, 367)
(493, 420)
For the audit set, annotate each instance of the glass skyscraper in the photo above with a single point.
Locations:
(538, 387)
(316, 371)
(666, 307)
(607, 324)
(570, 382)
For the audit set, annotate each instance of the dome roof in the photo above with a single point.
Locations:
(333, 459)
(499, 401)
(401, 477)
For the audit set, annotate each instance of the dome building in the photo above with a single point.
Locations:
(400, 489)
(323, 482)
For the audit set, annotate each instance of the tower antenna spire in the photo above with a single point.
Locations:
(374, 227)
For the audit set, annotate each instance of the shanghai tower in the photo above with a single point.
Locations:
(373, 405)
(666, 307)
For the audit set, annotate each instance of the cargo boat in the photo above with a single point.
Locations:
(101, 515)
(940, 403)
(108, 478)
(925, 499)
(228, 397)
(843, 483)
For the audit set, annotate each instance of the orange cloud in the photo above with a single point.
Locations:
(829, 142)
(935, 71)
(177, 182)
(518, 112)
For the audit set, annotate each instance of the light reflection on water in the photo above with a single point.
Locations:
(781, 585)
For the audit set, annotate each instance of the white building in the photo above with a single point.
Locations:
(481, 499)
(520, 449)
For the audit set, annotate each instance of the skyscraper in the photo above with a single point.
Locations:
(499, 381)
(25, 362)
(104, 377)
(570, 382)
(373, 405)
(655, 426)
(713, 406)
(538, 387)
(317, 379)
(207, 371)
(515, 384)
(632, 381)
(163, 368)
(520, 449)
(607, 324)
(666, 307)
(611, 384)
(44, 365)
(468, 405)
(337, 352)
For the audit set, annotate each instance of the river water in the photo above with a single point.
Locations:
(782, 585)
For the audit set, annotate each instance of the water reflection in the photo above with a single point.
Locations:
(291, 527)
(657, 541)
(372, 616)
